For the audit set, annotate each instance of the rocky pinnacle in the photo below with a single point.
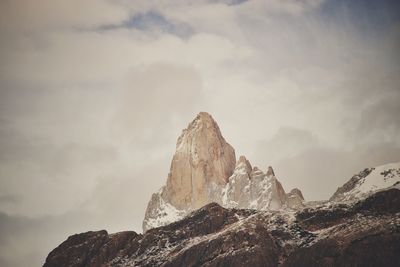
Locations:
(203, 159)
(204, 170)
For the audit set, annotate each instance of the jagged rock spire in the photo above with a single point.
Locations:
(270, 171)
(202, 159)
(244, 164)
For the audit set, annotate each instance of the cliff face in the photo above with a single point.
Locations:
(364, 233)
(203, 160)
(203, 170)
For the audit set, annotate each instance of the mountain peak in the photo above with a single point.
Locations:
(368, 181)
(270, 172)
(243, 163)
(204, 115)
(202, 164)
(203, 124)
(204, 170)
(202, 158)
(203, 119)
(296, 191)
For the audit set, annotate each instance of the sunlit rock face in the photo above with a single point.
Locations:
(204, 170)
(202, 162)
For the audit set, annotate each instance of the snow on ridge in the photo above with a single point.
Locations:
(240, 169)
(166, 214)
(380, 178)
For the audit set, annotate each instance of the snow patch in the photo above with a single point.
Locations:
(380, 178)
(165, 214)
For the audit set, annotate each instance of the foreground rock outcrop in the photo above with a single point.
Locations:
(204, 170)
(364, 233)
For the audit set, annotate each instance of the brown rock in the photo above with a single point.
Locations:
(183, 243)
(358, 235)
(202, 158)
(90, 249)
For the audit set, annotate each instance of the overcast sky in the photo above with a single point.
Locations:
(94, 94)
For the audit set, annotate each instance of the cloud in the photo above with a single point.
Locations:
(151, 21)
(92, 102)
(378, 123)
(8, 198)
(16, 242)
(289, 7)
(45, 15)
(287, 142)
(150, 106)
(27, 241)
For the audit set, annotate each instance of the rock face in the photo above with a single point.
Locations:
(252, 189)
(203, 170)
(203, 160)
(91, 249)
(363, 233)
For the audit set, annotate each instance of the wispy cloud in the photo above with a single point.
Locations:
(151, 22)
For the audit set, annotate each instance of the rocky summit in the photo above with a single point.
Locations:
(216, 211)
(204, 170)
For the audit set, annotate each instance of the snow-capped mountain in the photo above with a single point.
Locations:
(251, 220)
(367, 182)
(203, 170)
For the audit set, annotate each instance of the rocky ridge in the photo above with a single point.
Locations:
(204, 170)
(368, 181)
(361, 233)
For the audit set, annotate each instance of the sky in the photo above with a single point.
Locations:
(94, 94)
